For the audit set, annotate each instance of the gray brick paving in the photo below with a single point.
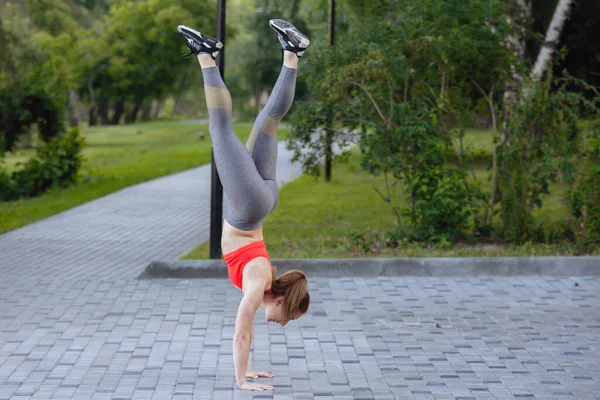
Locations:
(364, 338)
(74, 323)
(120, 234)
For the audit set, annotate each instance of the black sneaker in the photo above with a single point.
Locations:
(199, 42)
(291, 38)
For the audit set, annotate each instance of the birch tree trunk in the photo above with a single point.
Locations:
(561, 13)
(512, 94)
(516, 200)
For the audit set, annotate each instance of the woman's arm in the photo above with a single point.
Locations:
(242, 337)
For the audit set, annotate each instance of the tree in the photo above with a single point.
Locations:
(317, 128)
(38, 72)
(539, 128)
(397, 78)
(552, 38)
(259, 58)
(139, 50)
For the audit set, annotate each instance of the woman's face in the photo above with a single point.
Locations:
(274, 312)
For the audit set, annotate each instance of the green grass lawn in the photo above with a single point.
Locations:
(117, 157)
(478, 140)
(347, 218)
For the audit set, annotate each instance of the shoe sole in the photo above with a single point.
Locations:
(200, 37)
(290, 30)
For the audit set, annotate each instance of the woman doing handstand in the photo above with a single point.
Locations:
(248, 178)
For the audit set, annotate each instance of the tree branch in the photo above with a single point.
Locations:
(384, 198)
(391, 99)
(431, 90)
(490, 100)
(489, 212)
(387, 184)
(388, 198)
(364, 89)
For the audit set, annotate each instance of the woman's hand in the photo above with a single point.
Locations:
(254, 386)
(256, 374)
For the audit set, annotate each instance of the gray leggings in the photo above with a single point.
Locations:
(247, 173)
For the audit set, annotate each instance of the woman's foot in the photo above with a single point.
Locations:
(291, 38)
(200, 43)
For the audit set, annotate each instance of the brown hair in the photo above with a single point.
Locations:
(293, 286)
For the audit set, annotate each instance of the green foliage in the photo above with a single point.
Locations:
(258, 58)
(556, 232)
(55, 164)
(149, 28)
(51, 16)
(441, 200)
(312, 127)
(38, 70)
(133, 55)
(584, 195)
(18, 114)
(41, 110)
(11, 120)
(345, 218)
(543, 136)
(37, 57)
(306, 140)
(409, 77)
(398, 77)
(317, 124)
(416, 155)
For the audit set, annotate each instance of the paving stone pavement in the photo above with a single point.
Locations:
(120, 234)
(364, 338)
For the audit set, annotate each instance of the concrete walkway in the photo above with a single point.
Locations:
(120, 234)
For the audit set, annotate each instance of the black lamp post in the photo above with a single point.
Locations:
(331, 22)
(216, 198)
(328, 139)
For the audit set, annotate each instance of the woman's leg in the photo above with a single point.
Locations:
(250, 197)
(262, 143)
(248, 178)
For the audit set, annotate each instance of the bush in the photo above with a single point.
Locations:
(6, 185)
(555, 232)
(55, 164)
(11, 121)
(584, 195)
(42, 109)
(17, 114)
(414, 152)
(542, 137)
(442, 208)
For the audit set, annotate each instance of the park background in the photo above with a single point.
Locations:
(471, 133)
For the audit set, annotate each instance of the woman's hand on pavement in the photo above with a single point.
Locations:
(254, 386)
(257, 374)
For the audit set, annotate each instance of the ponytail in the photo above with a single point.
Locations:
(293, 286)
